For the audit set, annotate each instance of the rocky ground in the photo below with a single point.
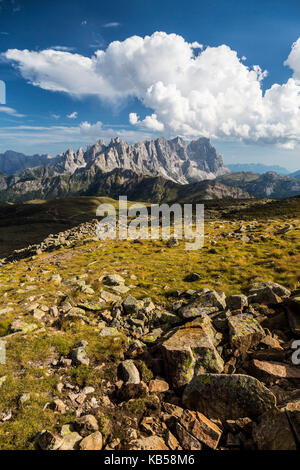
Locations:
(139, 345)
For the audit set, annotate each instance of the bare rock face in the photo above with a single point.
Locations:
(228, 396)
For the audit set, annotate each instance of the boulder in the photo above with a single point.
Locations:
(130, 372)
(70, 441)
(273, 432)
(267, 293)
(228, 396)
(131, 305)
(49, 441)
(113, 280)
(189, 351)
(265, 369)
(92, 442)
(236, 302)
(158, 386)
(244, 332)
(86, 425)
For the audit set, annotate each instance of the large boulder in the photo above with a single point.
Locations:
(244, 332)
(228, 396)
(203, 302)
(191, 350)
(267, 293)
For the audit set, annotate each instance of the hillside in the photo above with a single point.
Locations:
(105, 340)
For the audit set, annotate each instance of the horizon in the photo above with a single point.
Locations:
(233, 78)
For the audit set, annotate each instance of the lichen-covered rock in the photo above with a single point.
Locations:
(267, 293)
(273, 432)
(244, 332)
(132, 305)
(203, 302)
(190, 351)
(228, 396)
(237, 302)
(70, 441)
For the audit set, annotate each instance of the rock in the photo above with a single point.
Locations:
(204, 303)
(113, 280)
(24, 398)
(190, 351)
(172, 442)
(294, 321)
(148, 443)
(273, 432)
(109, 297)
(22, 327)
(130, 390)
(244, 332)
(228, 396)
(158, 386)
(236, 302)
(49, 441)
(92, 442)
(79, 356)
(130, 372)
(172, 242)
(86, 425)
(70, 441)
(187, 441)
(266, 369)
(152, 336)
(109, 331)
(192, 277)
(267, 293)
(201, 428)
(55, 279)
(131, 305)
(59, 406)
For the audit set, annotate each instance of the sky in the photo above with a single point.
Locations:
(77, 71)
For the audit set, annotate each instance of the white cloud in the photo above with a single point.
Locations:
(192, 91)
(72, 115)
(10, 111)
(150, 122)
(113, 24)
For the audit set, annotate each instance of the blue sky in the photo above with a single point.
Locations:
(36, 119)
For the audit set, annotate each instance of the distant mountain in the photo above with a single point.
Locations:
(46, 184)
(267, 185)
(257, 168)
(14, 162)
(172, 159)
(296, 174)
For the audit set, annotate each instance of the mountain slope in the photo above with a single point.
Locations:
(14, 162)
(269, 184)
(257, 168)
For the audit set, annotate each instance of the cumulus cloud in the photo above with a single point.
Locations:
(191, 90)
(72, 115)
(150, 122)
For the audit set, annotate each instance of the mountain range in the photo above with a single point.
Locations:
(159, 170)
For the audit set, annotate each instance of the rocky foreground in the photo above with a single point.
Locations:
(211, 371)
